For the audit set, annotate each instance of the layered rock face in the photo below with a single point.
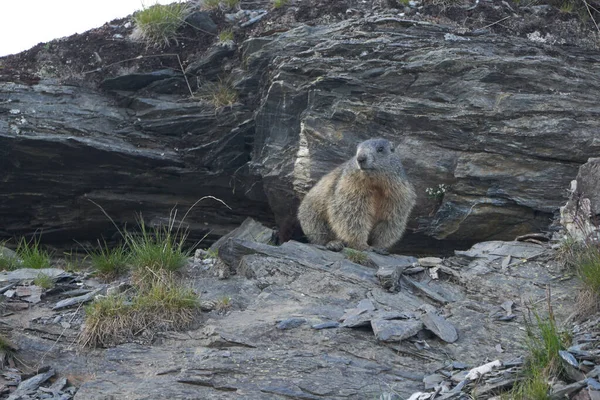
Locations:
(502, 123)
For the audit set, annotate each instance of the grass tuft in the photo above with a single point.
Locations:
(230, 4)
(164, 304)
(544, 340)
(156, 249)
(358, 257)
(587, 264)
(220, 94)
(157, 25)
(211, 4)
(110, 263)
(226, 35)
(280, 3)
(32, 255)
(44, 281)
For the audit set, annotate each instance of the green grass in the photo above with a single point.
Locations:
(219, 94)
(32, 255)
(226, 35)
(587, 266)
(110, 263)
(211, 4)
(44, 281)
(223, 304)
(230, 3)
(358, 257)
(157, 25)
(279, 3)
(156, 249)
(544, 340)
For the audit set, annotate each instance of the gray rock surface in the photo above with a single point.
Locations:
(243, 352)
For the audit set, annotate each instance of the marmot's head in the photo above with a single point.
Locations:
(376, 154)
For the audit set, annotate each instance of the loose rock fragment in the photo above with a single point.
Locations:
(440, 327)
(290, 323)
(478, 372)
(395, 330)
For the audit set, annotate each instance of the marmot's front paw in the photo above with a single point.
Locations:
(335, 245)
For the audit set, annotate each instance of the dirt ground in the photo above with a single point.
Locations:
(109, 51)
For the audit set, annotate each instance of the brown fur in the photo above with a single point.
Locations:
(360, 207)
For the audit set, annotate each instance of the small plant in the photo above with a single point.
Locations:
(544, 341)
(437, 192)
(210, 253)
(44, 281)
(163, 304)
(220, 94)
(230, 4)
(211, 4)
(32, 255)
(157, 25)
(110, 263)
(279, 3)
(226, 35)
(167, 303)
(567, 7)
(159, 248)
(223, 304)
(587, 264)
(358, 257)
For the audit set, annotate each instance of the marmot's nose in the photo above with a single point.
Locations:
(361, 158)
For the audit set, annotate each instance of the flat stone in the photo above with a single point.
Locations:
(31, 273)
(290, 323)
(136, 81)
(440, 327)
(395, 330)
(326, 325)
(430, 261)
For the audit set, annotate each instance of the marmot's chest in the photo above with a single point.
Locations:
(380, 200)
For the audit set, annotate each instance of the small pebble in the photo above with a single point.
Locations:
(290, 323)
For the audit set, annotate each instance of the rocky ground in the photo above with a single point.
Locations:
(306, 323)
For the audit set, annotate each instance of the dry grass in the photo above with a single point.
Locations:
(219, 94)
(162, 305)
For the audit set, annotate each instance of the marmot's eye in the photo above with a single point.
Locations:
(380, 149)
(392, 149)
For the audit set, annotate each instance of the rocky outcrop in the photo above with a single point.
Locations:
(491, 130)
(62, 146)
(502, 123)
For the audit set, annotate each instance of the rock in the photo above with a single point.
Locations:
(136, 81)
(202, 21)
(290, 323)
(31, 294)
(248, 230)
(423, 288)
(429, 261)
(76, 300)
(31, 273)
(440, 327)
(587, 183)
(326, 325)
(211, 63)
(31, 384)
(395, 330)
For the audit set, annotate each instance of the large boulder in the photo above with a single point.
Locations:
(502, 123)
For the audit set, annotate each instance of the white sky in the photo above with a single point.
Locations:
(25, 23)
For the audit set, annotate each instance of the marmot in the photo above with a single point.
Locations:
(364, 203)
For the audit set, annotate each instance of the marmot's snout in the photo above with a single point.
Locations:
(364, 161)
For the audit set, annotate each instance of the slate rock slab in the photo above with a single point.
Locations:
(395, 330)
